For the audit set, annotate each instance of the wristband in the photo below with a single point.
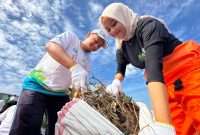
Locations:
(164, 123)
(72, 66)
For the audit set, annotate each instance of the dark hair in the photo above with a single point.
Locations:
(7, 105)
(10, 103)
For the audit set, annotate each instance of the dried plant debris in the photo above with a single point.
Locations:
(120, 110)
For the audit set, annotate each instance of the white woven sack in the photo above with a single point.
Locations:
(79, 118)
(147, 123)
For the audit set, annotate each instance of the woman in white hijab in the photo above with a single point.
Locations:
(146, 43)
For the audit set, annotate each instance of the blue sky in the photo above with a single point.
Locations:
(25, 27)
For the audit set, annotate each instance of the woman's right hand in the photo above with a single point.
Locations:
(114, 88)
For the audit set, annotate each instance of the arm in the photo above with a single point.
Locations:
(78, 73)
(159, 100)
(156, 86)
(57, 52)
(154, 35)
(115, 87)
(121, 65)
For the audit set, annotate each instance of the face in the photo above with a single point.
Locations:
(93, 42)
(113, 27)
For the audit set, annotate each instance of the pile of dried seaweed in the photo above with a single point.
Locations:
(120, 110)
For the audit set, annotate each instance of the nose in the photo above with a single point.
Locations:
(113, 32)
(95, 46)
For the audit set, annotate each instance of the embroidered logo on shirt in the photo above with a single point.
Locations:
(75, 50)
(141, 56)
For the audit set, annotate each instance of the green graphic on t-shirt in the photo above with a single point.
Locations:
(142, 56)
(37, 75)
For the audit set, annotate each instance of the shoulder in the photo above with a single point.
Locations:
(69, 34)
(148, 20)
(152, 28)
(151, 24)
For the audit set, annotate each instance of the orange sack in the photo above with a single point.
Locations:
(181, 71)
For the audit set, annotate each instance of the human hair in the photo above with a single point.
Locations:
(7, 105)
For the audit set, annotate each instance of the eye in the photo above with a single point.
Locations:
(107, 29)
(114, 23)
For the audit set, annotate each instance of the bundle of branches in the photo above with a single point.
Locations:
(120, 110)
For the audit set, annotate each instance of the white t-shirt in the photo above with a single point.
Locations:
(54, 76)
(6, 119)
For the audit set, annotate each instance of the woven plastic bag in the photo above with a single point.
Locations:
(148, 125)
(78, 118)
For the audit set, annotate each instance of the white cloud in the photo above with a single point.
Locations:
(3, 16)
(68, 25)
(94, 13)
(164, 9)
(2, 36)
(9, 7)
(132, 72)
(95, 7)
(24, 71)
(12, 63)
(9, 89)
(180, 32)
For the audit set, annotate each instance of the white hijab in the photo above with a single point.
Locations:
(125, 16)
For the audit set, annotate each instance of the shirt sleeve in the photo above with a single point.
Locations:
(121, 62)
(154, 36)
(153, 62)
(154, 31)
